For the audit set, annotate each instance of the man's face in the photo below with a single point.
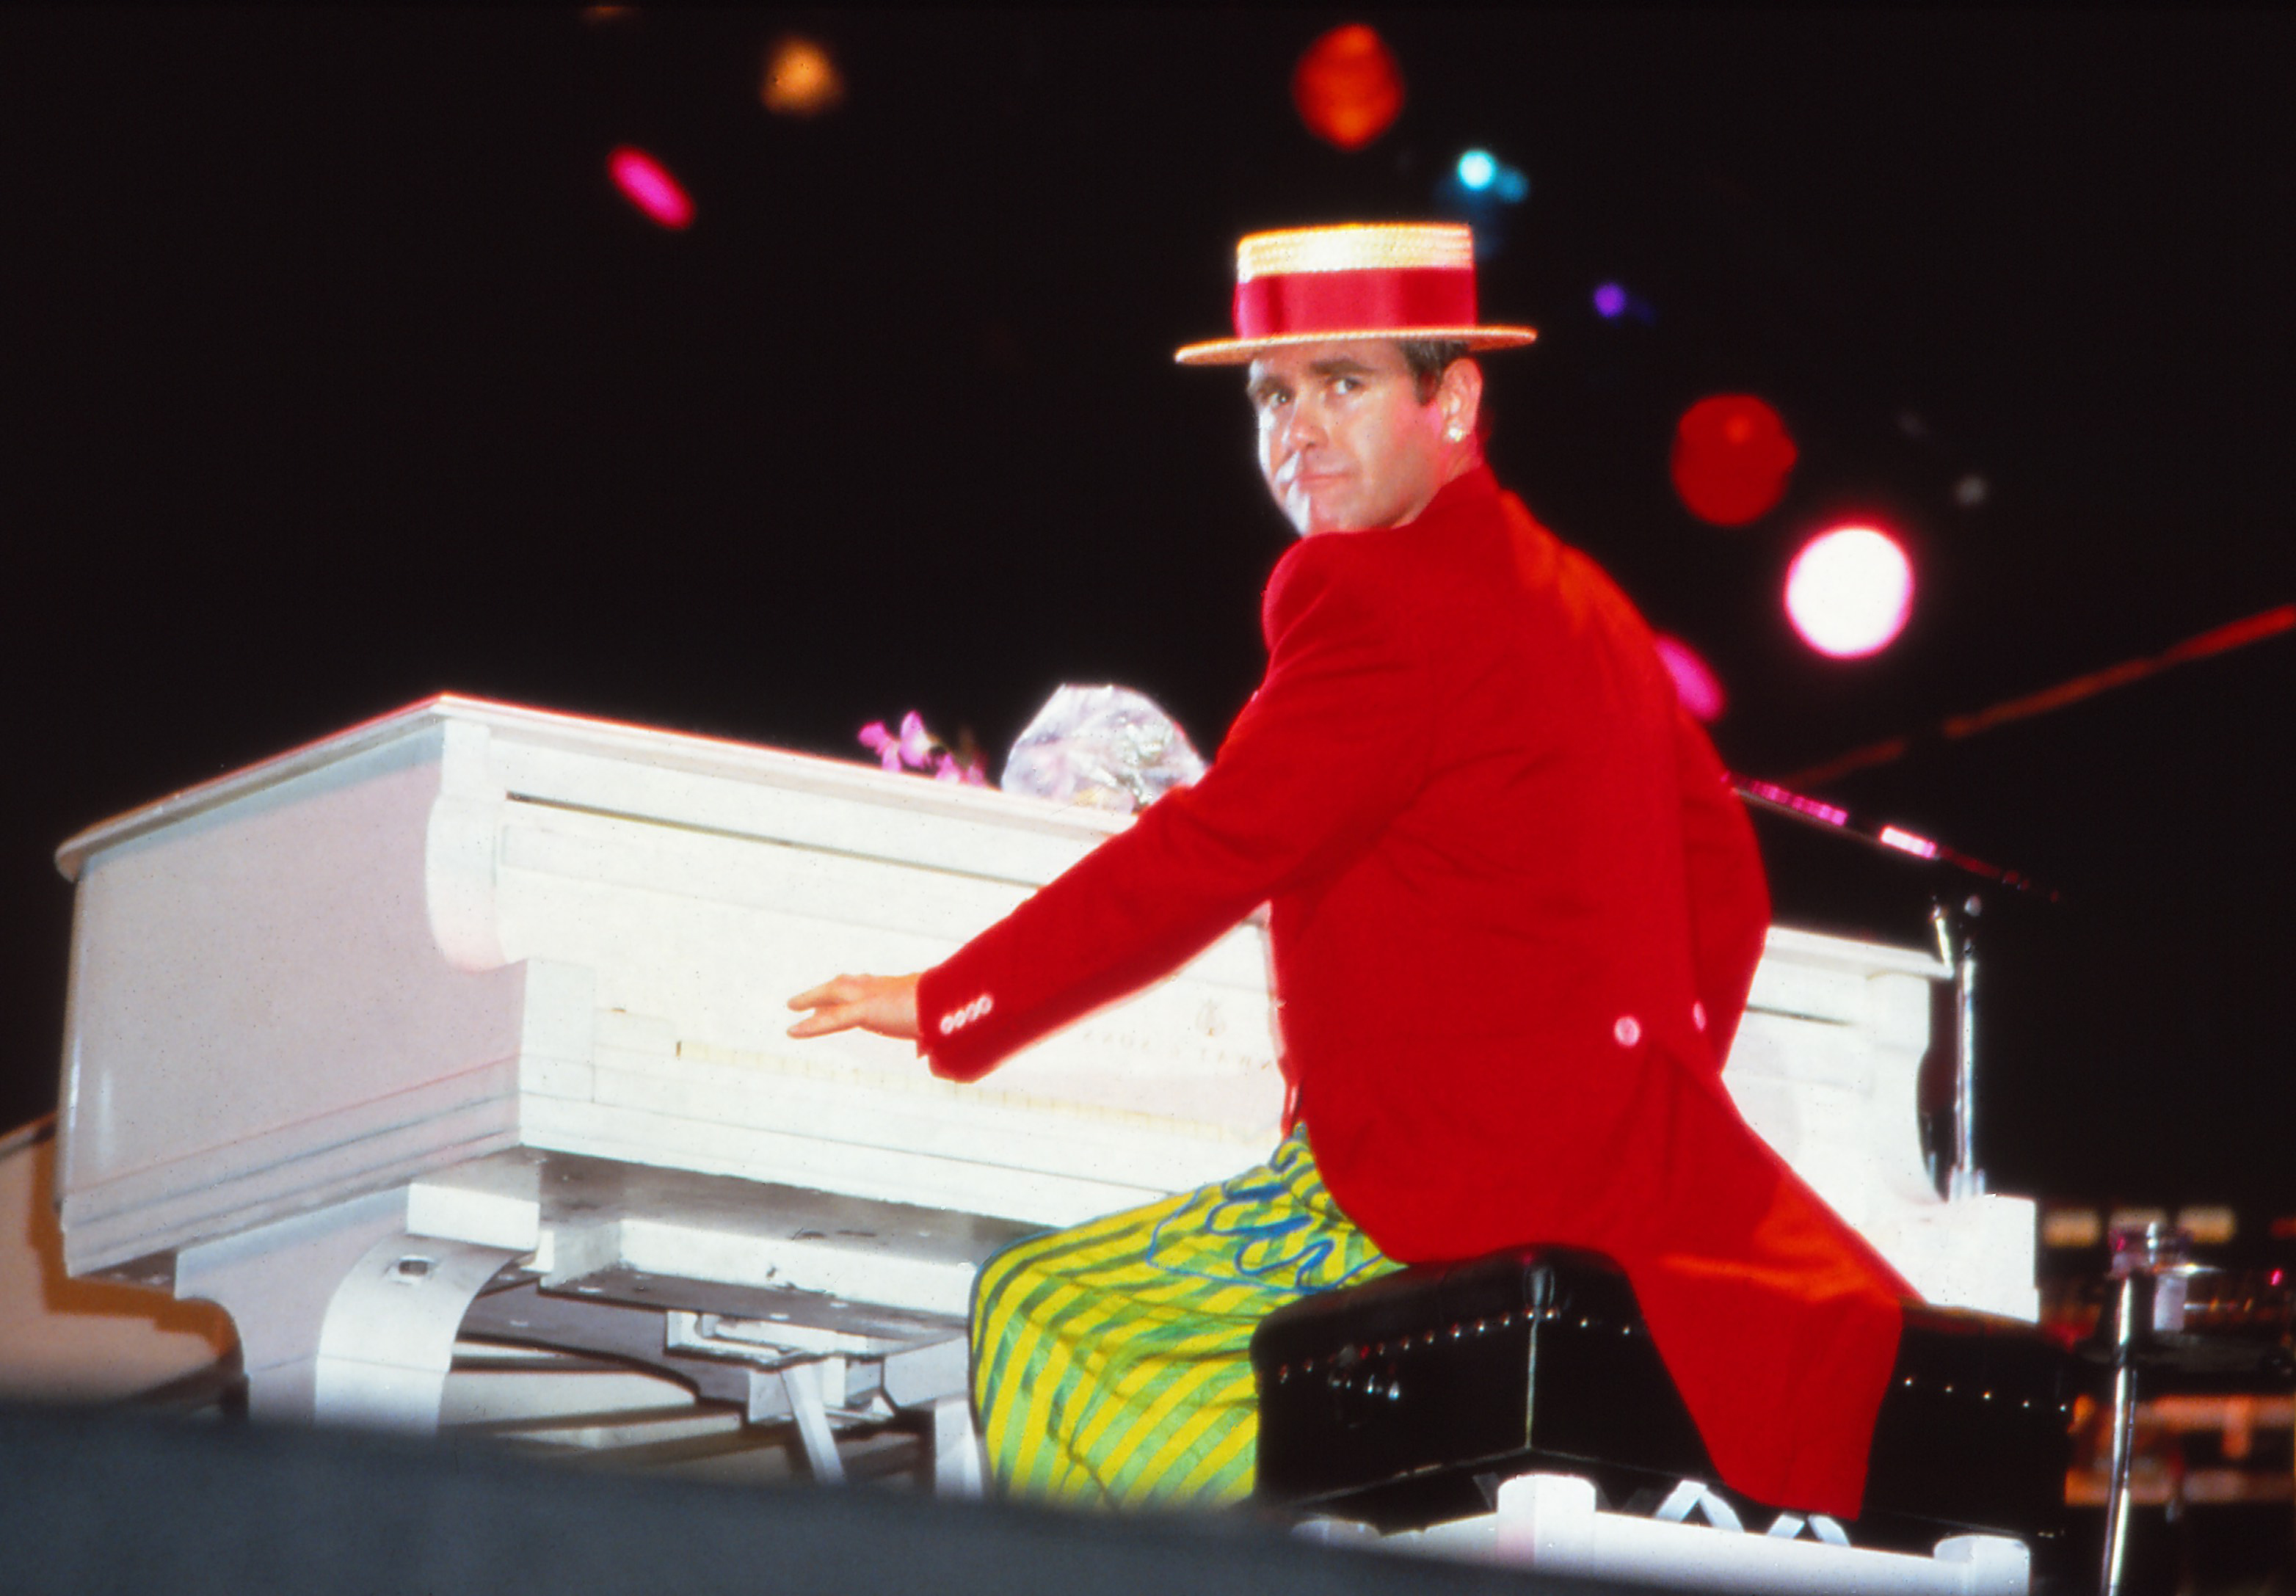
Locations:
(1344, 442)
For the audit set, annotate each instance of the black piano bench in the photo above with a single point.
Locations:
(1403, 1402)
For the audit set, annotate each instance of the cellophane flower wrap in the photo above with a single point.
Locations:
(1101, 748)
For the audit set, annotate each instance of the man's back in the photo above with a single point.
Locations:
(1471, 995)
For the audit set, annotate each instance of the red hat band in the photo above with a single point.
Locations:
(1292, 304)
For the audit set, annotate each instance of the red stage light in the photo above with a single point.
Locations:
(646, 185)
(1348, 87)
(1732, 456)
(1694, 684)
(1850, 591)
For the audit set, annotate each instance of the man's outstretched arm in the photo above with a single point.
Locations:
(1331, 747)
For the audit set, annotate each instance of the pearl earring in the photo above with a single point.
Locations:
(1455, 433)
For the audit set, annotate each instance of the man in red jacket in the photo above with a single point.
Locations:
(1516, 914)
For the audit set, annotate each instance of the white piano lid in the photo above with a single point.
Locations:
(674, 749)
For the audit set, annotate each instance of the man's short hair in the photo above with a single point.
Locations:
(1428, 359)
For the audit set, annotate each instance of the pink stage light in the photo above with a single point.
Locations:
(1773, 793)
(652, 190)
(1921, 847)
(1850, 591)
(1694, 684)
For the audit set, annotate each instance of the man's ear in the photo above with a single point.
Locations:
(1459, 397)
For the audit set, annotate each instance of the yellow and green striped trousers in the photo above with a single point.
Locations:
(1110, 1362)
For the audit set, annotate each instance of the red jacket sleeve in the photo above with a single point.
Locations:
(1729, 899)
(1333, 744)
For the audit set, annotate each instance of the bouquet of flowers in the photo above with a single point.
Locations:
(916, 748)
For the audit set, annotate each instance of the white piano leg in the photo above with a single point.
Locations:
(957, 1468)
(390, 1333)
(343, 1318)
(803, 1382)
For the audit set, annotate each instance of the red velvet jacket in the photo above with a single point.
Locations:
(1516, 909)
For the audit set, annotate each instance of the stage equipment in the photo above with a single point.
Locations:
(2255, 628)
(1832, 818)
(469, 1022)
(1957, 948)
(2151, 1330)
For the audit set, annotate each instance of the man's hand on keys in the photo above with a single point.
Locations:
(885, 1004)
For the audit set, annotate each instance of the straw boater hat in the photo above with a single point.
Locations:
(1310, 285)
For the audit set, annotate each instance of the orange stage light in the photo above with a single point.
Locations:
(1348, 87)
(801, 80)
(1731, 459)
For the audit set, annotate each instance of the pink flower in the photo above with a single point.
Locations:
(916, 748)
(917, 743)
(876, 738)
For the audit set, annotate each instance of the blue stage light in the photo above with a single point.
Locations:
(1478, 170)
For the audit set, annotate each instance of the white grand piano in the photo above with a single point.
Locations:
(465, 1025)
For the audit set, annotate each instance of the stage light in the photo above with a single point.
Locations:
(1694, 684)
(1849, 592)
(1347, 87)
(801, 80)
(1732, 456)
(1610, 302)
(652, 190)
(1482, 175)
(1909, 842)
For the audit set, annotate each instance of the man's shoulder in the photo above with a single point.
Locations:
(1354, 574)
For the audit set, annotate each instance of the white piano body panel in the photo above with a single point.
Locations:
(467, 928)
(513, 983)
(1826, 1066)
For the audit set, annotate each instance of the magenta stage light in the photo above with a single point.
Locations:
(1694, 683)
(1849, 592)
(1610, 302)
(652, 190)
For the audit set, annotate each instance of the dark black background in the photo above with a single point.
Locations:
(337, 374)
